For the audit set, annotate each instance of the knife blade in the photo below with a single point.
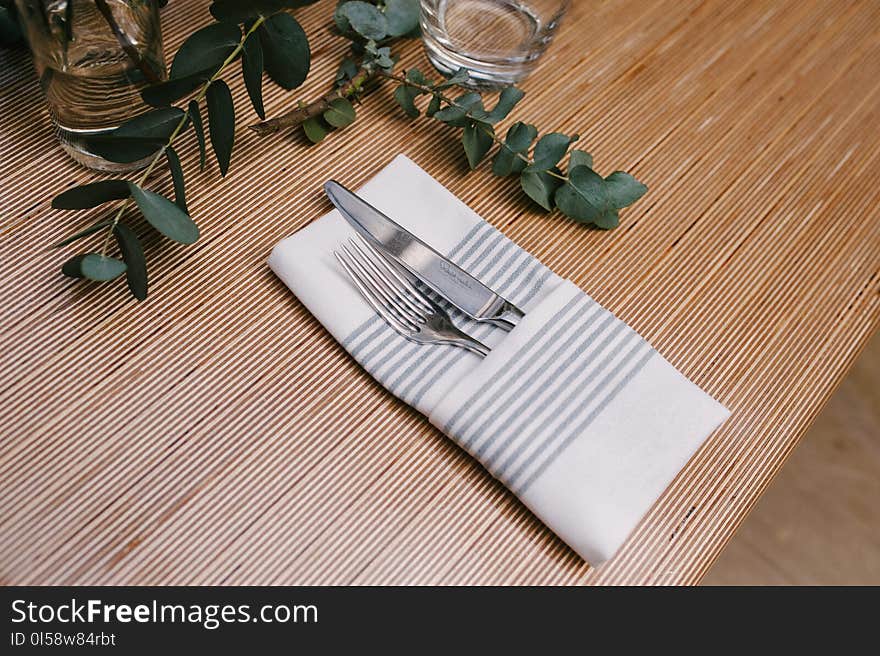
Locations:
(444, 277)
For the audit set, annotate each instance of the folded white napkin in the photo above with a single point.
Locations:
(572, 410)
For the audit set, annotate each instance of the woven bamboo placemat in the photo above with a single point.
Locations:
(216, 434)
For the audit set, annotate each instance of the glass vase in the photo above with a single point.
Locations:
(93, 58)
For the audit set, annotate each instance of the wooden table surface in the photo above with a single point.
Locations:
(216, 434)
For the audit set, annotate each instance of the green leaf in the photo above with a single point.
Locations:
(402, 16)
(549, 150)
(623, 189)
(405, 97)
(93, 266)
(139, 137)
(252, 71)
(195, 115)
(363, 18)
(477, 141)
(540, 186)
(154, 124)
(459, 77)
(205, 49)
(286, 51)
(123, 150)
(91, 195)
(165, 216)
(314, 129)
(160, 95)
(83, 233)
(348, 70)
(509, 97)
(135, 262)
(433, 106)
(457, 115)
(340, 114)
(583, 197)
(72, 268)
(221, 122)
(608, 220)
(580, 158)
(177, 178)
(518, 140)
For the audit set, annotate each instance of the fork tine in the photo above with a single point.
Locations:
(380, 268)
(369, 296)
(424, 302)
(387, 292)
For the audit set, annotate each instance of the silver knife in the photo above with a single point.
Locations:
(447, 279)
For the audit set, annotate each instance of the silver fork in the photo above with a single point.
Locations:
(403, 307)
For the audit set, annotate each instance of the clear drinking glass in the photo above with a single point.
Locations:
(93, 57)
(497, 41)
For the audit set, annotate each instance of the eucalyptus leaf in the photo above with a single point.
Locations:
(92, 229)
(72, 268)
(221, 122)
(348, 70)
(508, 99)
(517, 142)
(286, 53)
(458, 78)
(584, 196)
(363, 18)
(165, 216)
(314, 129)
(177, 178)
(405, 97)
(623, 189)
(135, 262)
(401, 16)
(123, 150)
(94, 266)
(477, 140)
(160, 95)
(340, 113)
(252, 71)
(154, 124)
(580, 158)
(195, 115)
(91, 195)
(433, 106)
(549, 150)
(608, 220)
(457, 115)
(205, 49)
(540, 186)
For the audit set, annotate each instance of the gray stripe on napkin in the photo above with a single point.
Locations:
(569, 436)
(556, 326)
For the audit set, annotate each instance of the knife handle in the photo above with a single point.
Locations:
(507, 317)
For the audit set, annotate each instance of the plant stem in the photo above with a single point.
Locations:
(201, 96)
(317, 107)
(126, 44)
(450, 101)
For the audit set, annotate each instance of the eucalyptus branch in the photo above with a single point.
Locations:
(125, 43)
(575, 188)
(272, 42)
(305, 111)
(468, 113)
(180, 125)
